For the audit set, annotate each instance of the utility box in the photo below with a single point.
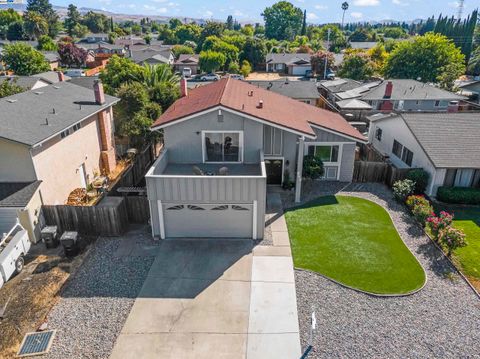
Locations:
(69, 241)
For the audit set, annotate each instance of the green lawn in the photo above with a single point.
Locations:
(467, 218)
(354, 242)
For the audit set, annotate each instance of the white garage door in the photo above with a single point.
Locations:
(207, 220)
(300, 70)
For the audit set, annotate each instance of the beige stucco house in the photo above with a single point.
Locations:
(61, 135)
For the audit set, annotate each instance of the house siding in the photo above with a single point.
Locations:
(184, 139)
(15, 162)
(395, 129)
(57, 161)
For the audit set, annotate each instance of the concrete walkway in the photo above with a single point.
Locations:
(216, 299)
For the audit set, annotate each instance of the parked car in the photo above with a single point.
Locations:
(237, 77)
(14, 245)
(187, 72)
(210, 77)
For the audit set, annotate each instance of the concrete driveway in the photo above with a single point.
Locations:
(199, 301)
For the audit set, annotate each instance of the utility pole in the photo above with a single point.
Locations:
(326, 54)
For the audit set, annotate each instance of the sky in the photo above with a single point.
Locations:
(318, 11)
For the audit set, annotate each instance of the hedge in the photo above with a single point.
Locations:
(462, 195)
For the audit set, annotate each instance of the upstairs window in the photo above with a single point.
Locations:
(378, 134)
(223, 146)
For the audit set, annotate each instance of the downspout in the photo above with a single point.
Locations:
(298, 182)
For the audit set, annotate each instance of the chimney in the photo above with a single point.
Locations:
(99, 94)
(183, 87)
(61, 76)
(388, 90)
(452, 106)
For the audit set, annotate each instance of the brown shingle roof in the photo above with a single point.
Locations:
(277, 109)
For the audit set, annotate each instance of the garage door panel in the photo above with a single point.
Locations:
(206, 221)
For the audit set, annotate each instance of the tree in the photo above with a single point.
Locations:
(283, 21)
(318, 62)
(344, 8)
(357, 66)
(213, 43)
(423, 58)
(35, 25)
(181, 50)
(211, 28)
(211, 61)
(188, 32)
(245, 69)
(303, 32)
(360, 35)
(378, 55)
(248, 30)
(254, 51)
(24, 60)
(45, 9)
(449, 74)
(8, 17)
(45, 43)
(118, 71)
(95, 22)
(229, 23)
(72, 20)
(135, 113)
(8, 88)
(148, 39)
(79, 31)
(174, 23)
(474, 63)
(395, 33)
(16, 31)
(71, 55)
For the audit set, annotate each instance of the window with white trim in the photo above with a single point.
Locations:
(326, 153)
(223, 146)
(272, 140)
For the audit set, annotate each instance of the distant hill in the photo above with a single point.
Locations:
(62, 12)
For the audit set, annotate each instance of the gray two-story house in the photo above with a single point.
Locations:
(224, 143)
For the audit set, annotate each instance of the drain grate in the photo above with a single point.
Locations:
(36, 343)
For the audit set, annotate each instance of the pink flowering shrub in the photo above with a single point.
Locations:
(443, 232)
(437, 224)
(420, 207)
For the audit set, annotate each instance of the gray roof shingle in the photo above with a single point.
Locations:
(64, 104)
(411, 90)
(292, 89)
(451, 140)
(17, 194)
(288, 58)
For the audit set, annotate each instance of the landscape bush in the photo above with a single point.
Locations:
(312, 167)
(438, 224)
(451, 238)
(420, 208)
(420, 177)
(461, 195)
(402, 189)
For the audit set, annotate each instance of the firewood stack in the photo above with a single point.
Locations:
(78, 197)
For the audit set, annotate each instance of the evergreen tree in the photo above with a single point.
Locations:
(73, 18)
(229, 23)
(304, 25)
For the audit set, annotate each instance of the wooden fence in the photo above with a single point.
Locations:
(109, 218)
(366, 171)
(138, 210)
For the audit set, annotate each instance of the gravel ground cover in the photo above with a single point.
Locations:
(97, 300)
(440, 321)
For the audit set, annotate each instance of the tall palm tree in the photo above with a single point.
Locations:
(344, 8)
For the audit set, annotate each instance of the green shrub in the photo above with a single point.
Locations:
(402, 189)
(416, 200)
(452, 238)
(312, 167)
(462, 195)
(420, 177)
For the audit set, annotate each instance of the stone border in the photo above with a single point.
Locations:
(360, 290)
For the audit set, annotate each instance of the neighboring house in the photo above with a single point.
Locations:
(304, 91)
(129, 41)
(60, 134)
(52, 58)
(471, 89)
(362, 45)
(446, 145)
(103, 48)
(152, 56)
(95, 38)
(22, 201)
(241, 138)
(291, 64)
(409, 95)
(343, 91)
(52, 77)
(26, 82)
(187, 61)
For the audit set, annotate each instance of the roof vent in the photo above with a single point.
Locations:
(57, 87)
(260, 104)
(250, 93)
(12, 100)
(38, 92)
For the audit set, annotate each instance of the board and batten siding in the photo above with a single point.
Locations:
(203, 190)
(184, 139)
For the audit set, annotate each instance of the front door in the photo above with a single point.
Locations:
(274, 171)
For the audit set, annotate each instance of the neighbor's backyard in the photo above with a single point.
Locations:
(467, 218)
(354, 242)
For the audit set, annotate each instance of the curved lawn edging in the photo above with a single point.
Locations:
(354, 242)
